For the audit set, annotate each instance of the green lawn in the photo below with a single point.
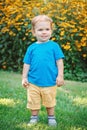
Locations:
(71, 108)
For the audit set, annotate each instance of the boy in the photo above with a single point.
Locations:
(42, 70)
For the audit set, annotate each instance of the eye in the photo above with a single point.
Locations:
(47, 29)
(40, 29)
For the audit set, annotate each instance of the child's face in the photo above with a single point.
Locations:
(42, 31)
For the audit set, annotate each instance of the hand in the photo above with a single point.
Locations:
(25, 83)
(59, 81)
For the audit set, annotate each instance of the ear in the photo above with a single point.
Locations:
(33, 32)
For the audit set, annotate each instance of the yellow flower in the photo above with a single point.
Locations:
(78, 45)
(62, 33)
(74, 30)
(53, 38)
(68, 43)
(24, 38)
(32, 39)
(19, 29)
(26, 34)
(4, 29)
(84, 55)
(83, 39)
(28, 15)
(66, 47)
(80, 34)
(26, 24)
(61, 38)
(84, 44)
(79, 49)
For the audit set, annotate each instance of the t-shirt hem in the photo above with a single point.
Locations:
(43, 85)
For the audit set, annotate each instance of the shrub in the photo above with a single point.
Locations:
(70, 32)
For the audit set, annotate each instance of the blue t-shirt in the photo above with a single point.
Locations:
(42, 60)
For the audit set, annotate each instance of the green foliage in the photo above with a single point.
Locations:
(13, 48)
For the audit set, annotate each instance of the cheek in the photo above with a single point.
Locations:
(51, 33)
(38, 33)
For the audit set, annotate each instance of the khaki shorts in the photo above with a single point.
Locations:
(38, 95)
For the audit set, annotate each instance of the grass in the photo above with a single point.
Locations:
(70, 111)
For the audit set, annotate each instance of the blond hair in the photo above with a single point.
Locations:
(40, 18)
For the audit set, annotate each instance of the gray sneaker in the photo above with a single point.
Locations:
(52, 121)
(33, 120)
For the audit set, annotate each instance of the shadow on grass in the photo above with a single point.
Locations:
(8, 117)
(71, 112)
(17, 117)
(12, 113)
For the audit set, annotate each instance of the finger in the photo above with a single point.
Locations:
(60, 84)
(25, 84)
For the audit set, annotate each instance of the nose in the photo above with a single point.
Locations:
(44, 31)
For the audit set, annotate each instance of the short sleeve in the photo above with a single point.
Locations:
(27, 57)
(58, 52)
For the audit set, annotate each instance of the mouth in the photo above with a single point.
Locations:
(44, 36)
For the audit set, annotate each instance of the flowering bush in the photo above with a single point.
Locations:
(70, 31)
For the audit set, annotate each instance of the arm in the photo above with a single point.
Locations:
(60, 77)
(26, 68)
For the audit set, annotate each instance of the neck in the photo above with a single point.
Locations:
(41, 42)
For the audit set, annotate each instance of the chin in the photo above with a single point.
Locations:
(44, 40)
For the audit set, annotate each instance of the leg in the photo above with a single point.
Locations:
(50, 111)
(49, 100)
(51, 117)
(34, 112)
(34, 117)
(33, 103)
